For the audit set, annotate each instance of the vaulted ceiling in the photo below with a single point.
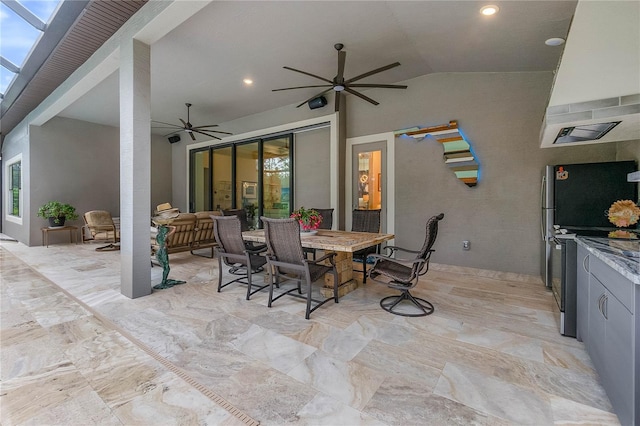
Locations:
(204, 60)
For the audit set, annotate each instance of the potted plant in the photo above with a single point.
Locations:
(57, 213)
(309, 219)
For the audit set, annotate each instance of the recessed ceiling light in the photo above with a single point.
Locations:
(555, 41)
(489, 10)
(248, 81)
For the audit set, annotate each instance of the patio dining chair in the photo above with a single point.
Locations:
(232, 251)
(365, 221)
(245, 226)
(287, 262)
(403, 274)
(327, 223)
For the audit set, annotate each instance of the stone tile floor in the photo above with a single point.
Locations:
(77, 352)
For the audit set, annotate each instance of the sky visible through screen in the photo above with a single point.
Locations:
(17, 37)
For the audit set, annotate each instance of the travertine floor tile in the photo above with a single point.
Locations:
(490, 354)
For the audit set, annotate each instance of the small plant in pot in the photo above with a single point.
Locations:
(57, 213)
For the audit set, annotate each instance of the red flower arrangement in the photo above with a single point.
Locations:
(309, 219)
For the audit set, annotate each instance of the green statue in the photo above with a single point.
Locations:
(164, 232)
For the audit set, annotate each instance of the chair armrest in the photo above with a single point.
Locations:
(404, 262)
(396, 248)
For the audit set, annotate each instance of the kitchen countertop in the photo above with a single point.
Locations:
(621, 255)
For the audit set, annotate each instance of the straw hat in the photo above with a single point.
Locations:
(165, 212)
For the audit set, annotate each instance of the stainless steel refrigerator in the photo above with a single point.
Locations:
(575, 198)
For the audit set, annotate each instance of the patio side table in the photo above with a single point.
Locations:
(73, 233)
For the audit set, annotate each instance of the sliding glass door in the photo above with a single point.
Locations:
(276, 177)
(254, 175)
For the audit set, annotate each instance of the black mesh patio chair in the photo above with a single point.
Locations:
(327, 218)
(242, 215)
(403, 274)
(327, 223)
(232, 251)
(365, 221)
(287, 262)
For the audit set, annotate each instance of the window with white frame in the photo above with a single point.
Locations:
(13, 174)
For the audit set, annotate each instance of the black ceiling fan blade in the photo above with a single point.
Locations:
(372, 72)
(337, 101)
(309, 74)
(383, 86)
(208, 125)
(361, 96)
(206, 134)
(342, 56)
(193, 137)
(187, 125)
(172, 133)
(315, 96)
(212, 131)
(168, 124)
(302, 87)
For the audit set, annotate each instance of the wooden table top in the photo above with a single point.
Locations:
(344, 241)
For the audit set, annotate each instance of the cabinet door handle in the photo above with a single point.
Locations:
(605, 301)
(584, 263)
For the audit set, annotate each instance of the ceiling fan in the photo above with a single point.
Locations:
(339, 84)
(189, 128)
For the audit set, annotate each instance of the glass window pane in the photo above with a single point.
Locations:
(200, 178)
(18, 36)
(247, 180)
(222, 177)
(15, 184)
(43, 9)
(276, 178)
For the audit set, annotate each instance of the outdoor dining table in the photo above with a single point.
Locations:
(343, 243)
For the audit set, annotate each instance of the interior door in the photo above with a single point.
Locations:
(369, 168)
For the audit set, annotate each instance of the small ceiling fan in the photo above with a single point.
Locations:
(189, 128)
(339, 84)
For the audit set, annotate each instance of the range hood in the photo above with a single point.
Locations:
(598, 121)
(596, 90)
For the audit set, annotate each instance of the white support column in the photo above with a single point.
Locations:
(135, 168)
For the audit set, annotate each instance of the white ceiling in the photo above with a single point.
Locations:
(204, 60)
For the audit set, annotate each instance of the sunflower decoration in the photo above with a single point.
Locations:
(623, 213)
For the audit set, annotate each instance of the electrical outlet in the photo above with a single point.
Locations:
(466, 245)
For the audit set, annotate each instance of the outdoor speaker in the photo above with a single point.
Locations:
(318, 102)
(174, 139)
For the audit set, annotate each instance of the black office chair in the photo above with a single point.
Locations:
(286, 262)
(403, 274)
(365, 221)
(232, 251)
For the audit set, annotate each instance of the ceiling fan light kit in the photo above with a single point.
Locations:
(189, 128)
(338, 84)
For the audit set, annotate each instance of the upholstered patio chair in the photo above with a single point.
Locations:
(365, 221)
(403, 274)
(203, 233)
(232, 251)
(99, 227)
(287, 262)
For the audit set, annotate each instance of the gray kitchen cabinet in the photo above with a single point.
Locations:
(611, 326)
(582, 295)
